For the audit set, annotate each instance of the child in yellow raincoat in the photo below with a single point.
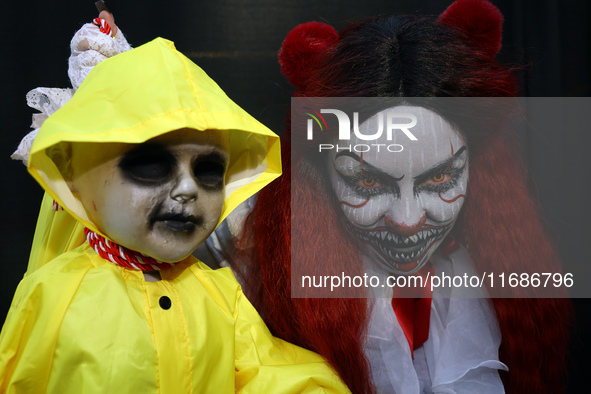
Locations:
(149, 155)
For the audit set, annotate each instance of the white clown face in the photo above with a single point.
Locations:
(401, 205)
(162, 198)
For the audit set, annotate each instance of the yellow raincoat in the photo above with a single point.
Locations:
(81, 324)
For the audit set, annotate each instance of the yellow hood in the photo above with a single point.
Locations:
(144, 93)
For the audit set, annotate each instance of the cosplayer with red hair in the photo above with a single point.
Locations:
(499, 225)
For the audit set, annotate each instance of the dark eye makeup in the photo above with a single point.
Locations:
(209, 171)
(154, 164)
(369, 181)
(147, 164)
(449, 172)
(368, 184)
(449, 179)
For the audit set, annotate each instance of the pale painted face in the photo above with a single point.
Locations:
(402, 204)
(162, 198)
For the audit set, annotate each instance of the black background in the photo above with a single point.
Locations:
(236, 41)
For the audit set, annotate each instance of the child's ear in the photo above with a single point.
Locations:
(61, 155)
(72, 185)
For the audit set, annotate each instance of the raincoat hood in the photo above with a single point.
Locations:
(141, 94)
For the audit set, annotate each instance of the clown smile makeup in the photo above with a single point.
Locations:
(401, 205)
(402, 252)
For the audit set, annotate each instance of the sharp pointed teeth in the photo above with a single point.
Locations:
(406, 240)
(414, 238)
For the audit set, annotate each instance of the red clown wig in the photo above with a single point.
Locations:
(407, 56)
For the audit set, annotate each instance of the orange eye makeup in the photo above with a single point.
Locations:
(368, 182)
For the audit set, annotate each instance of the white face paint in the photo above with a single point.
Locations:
(401, 205)
(162, 198)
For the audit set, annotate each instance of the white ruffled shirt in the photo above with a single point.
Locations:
(461, 354)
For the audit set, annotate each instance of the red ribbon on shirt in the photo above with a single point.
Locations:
(413, 314)
(121, 255)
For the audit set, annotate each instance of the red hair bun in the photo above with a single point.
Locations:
(479, 19)
(302, 49)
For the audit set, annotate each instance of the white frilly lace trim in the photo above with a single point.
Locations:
(88, 48)
(47, 101)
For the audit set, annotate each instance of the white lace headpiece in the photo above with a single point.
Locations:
(89, 47)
